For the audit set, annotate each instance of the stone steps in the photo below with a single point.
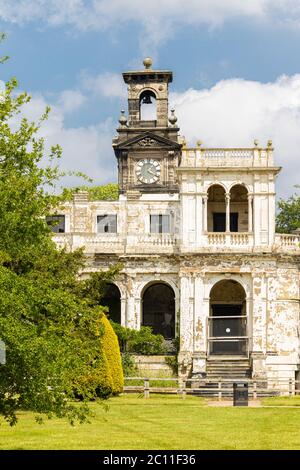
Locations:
(228, 368)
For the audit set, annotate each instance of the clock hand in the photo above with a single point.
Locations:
(151, 173)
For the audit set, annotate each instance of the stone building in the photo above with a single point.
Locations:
(195, 231)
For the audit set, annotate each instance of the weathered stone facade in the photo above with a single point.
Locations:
(235, 281)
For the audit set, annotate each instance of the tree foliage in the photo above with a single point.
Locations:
(288, 217)
(106, 192)
(50, 320)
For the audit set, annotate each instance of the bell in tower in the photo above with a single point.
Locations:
(147, 147)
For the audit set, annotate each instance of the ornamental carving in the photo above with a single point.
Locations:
(147, 142)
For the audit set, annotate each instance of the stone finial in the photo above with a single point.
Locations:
(199, 143)
(256, 143)
(172, 118)
(123, 119)
(147, 62)
(182, 141)
(270, 143)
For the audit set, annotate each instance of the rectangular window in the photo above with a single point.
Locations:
(159, 223)
(56, 222)
(107, 223)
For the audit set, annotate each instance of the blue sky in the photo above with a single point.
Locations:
(236, 67)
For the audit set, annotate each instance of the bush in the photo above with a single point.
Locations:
(141, 341)
(98, 382)
(146, 343)
(172, 361)
(111, 351)
(105, 377)
(128, 364)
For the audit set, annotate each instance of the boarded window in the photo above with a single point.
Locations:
(56, 222)
(160, 223)
(107, 223)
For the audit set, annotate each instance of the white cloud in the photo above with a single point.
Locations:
(110, 85)
(70, 100)
(235, 112)
(157, 18)
(86, 149)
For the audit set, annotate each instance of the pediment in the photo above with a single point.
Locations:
(148, 140)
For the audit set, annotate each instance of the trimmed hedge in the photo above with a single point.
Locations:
(98, 382)
(111, 350)
(105, 378)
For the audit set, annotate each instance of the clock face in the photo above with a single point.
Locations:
(148, 171)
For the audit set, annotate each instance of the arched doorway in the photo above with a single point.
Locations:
(216, 209)
(112, 300)
(228, 319)
(239, 209)
(159, 309)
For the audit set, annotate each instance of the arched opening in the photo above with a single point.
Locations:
(112, 300)
(148, 106)
(159, 309)
(216, 209)
(239, 208)
(228, 319)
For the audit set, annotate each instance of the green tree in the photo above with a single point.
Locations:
(50, 321)
(106, 192)
(288, 217)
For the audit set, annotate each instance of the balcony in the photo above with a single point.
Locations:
(93, 243)
(117, 243)
(164, 243)
(212, 242)
(231, 157)
(287, 242)
(234, 239)
(170, 243)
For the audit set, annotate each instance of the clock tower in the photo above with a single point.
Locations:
(146, 146)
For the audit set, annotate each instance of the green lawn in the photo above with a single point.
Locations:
(282, 401)
(161, 422)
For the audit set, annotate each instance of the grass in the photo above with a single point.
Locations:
(282, 401)
(161, 422)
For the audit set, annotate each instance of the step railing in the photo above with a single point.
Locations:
(219, 387)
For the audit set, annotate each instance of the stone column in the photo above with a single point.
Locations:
(259, 324)
(250, 213)
(199, 219)
(227, 199)
(186, 325)
(204, 199)
(123, 311)
(200, 328)
(131, 307)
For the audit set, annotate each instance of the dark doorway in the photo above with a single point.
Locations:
(159, 309)
(219, 221)
(112, 300)
(228, 320)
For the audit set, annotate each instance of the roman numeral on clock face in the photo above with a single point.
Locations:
(148, 171)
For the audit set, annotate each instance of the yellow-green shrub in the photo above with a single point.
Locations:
(111, 350)
(97, 381)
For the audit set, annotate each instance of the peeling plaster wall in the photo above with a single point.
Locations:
(271, 284)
